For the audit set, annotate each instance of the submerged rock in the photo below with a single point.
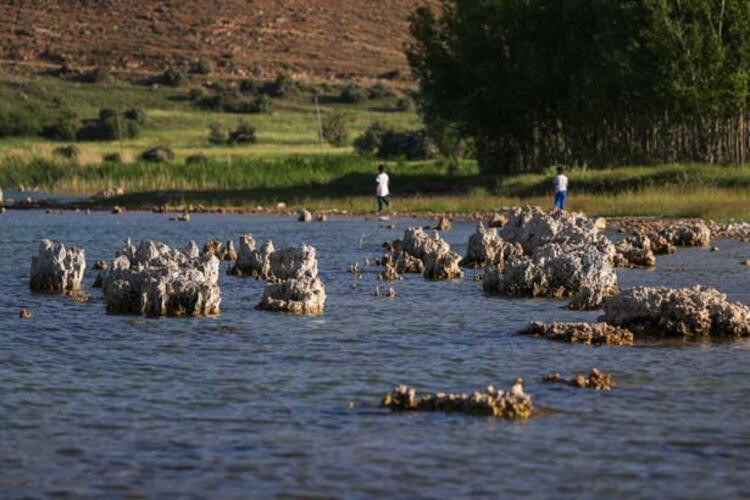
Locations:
(101, 265)
(486, 248)
(24, 314)
(685, 312)
(252, 262)
(156, 280)
(581, 333)
(444, 224)
(304, 216)
(583, 273)
(597, 380)
(57, 269)
(389, 273)
(514, 404)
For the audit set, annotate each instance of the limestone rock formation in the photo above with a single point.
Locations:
(252, 262)
(440, 263)
(581, 333)
(583, 273)
(684, 312)
(444, 224)
(486, 248)
(514, 404)
(297, 289)
(156, 280)
(304, 216)
(635, 251)
(597, 380)
(57, 269)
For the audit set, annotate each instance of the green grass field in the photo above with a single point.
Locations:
(288, 164)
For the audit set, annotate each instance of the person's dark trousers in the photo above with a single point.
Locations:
(382, 200)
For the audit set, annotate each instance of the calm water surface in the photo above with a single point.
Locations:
(254, 404)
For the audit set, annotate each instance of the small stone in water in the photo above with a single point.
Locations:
(24, 314)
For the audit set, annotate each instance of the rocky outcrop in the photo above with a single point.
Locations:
(634, 251)
(497, 220)
(582, 273)
(440, 263)
(156, 280)
(666, 234)
(532, 228)
(57, 269)
(444, 224)
(732, 230)
(304, 216)
(581, 333)
(408, 264)
(684, 312)
(514, 404)
(297, 289)
(253, 262)
(486, 248)
(389, 273)
(597, 380)
(220, 251)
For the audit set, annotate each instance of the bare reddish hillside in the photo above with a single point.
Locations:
(310, 39)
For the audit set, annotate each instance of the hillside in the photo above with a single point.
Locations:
(324, 40)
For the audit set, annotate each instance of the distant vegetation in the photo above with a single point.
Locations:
(588, 82)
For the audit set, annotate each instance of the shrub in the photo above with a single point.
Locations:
(62, 128)
(217, 134)
(249, 86)
(159, 154)
(243, 134)
(353, 95)
(369, 141)
(235, 103)
(172, 77)
(138, 115)
(404, 104)
(109, 126)
(19, 121)
(70, 152)
(196, 159)
(112, 158)
(283, 86)
(263, 104)
(100, 74)
(336, 129)
(410, 144)
(195, 94)
(380, 91)
(204, 66)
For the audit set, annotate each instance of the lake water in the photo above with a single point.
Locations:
(254, 404)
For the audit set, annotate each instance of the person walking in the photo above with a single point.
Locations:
(382, 190)
(561, 188)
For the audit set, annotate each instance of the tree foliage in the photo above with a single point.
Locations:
(596, 82)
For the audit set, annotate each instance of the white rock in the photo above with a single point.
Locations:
(57, 269)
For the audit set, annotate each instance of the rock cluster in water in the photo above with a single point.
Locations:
(581, 333)
(597, 380)
(487, 248)
(636, 250)
(514, 404)
(438, 261)
(221, 252)
(684, 312)
(57, 269)
(296, 287)
(251, 261)
(157, 280)
(665, 235)
(564, 255)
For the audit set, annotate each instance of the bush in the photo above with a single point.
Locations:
(235, 103)
(336, 129)
(353, 95)
(263, 104)
(112, 158)
(249, 86)
(217, 134)
(196, 159)
(243, 134)
(380, 91)
(410, 144)
(62, 128)
(109, 127)
(138, 115)
(19, 121)
(196, 94)
(159, 154)
(70, 152)
(172, 77)
(204, 66)
(404, 104)
(283, 86)
(369, 142)
(100, 74)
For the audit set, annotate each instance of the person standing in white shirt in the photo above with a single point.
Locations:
(561, 189)
(382, 190)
